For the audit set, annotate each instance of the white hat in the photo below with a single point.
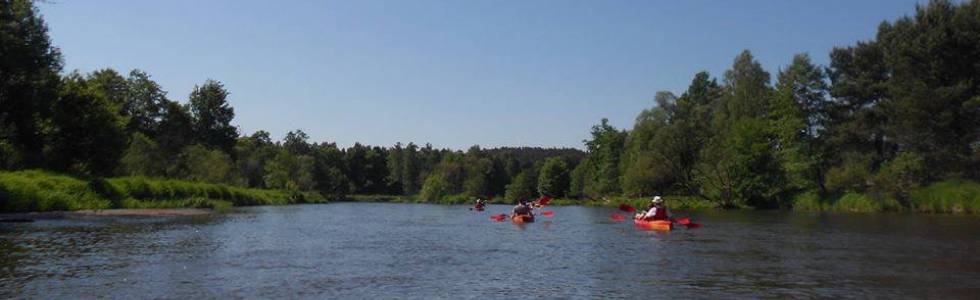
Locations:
(657, 199)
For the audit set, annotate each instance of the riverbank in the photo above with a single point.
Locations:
(41, 191)
(122, 212)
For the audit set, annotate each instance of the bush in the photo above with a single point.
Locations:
(435, 188)
(947, 196)
(851, 176)
(26, 191)
(856, 202)
(896, 179)
(809, 201)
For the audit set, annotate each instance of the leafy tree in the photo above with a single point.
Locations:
(291, 172)
(212, 116)
(112, 86)
(200, 163)
(176, 129)
(522, 187)
(796, 118)
(29, 81)
(297, 143)
(605, 149)
(328, 172)
(253, 153)
(553, 178)
(436, 187)
(143, 157)
(86, 136)
(739, 167)
(143, 104)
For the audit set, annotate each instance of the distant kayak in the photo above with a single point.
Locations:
(659, 225)
(478, 208)
(521, 219)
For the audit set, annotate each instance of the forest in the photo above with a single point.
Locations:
(891, 124)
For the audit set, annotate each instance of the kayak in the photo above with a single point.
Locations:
(478, 208)
(521, 219)
(659, 225)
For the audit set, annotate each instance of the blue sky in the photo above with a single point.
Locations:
(452, 73)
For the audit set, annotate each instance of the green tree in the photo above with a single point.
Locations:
(176, 130)
(796, 118)
(329, 170)
(553, 178)
(86, 136)
(143, 157)
(291, 172)
(212, 116)
(200, 163)
(253, 153)
(604, 150)
(112, 86)
(522, 187)
(29, 81)
(143, 104)
(436, 187)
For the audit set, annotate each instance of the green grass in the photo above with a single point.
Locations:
(27, 191)
(810, 201)
(947, 197)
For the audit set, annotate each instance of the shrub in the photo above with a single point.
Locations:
(947, 196)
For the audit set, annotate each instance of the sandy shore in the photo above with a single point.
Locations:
(125, 212)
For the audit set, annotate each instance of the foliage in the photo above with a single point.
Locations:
(522, 187)
(212, 116)
(553, 178)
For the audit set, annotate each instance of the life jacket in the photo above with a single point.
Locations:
(660, 214)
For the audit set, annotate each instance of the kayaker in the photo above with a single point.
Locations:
(657, 210)
(522, 208)
(480, 202)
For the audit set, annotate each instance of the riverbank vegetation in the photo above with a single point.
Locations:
(27, 191)
(891, 124)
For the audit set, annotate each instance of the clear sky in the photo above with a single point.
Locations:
(453, 73)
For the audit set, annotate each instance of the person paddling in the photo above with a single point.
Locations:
(480, 203)
(522, 208)
(656, 211)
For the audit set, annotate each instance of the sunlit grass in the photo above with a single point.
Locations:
(26, 191)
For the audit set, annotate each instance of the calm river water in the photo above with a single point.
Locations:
(361, 250)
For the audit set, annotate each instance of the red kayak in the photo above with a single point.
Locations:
(478, 208)
(521, 219)
(658, 225)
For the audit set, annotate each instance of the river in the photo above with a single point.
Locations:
(376, 250)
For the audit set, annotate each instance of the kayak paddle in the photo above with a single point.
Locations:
(617, 217)
(687, 222)
(626, 207)
(549, 213)
(498, 218)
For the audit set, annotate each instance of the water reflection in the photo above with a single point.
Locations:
(426, 251)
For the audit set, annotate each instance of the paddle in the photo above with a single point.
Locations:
(544, 200)
(617, 217)
(627, 208)
(548, 213)
(687, 222)
(498, 218)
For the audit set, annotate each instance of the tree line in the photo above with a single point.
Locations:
(887, 116)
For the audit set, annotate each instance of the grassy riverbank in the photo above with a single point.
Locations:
(941, 197)
(36, 191)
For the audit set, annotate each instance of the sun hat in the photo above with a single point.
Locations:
(657, 199)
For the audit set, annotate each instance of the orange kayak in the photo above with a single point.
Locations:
(659, 225)
(521, 219)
